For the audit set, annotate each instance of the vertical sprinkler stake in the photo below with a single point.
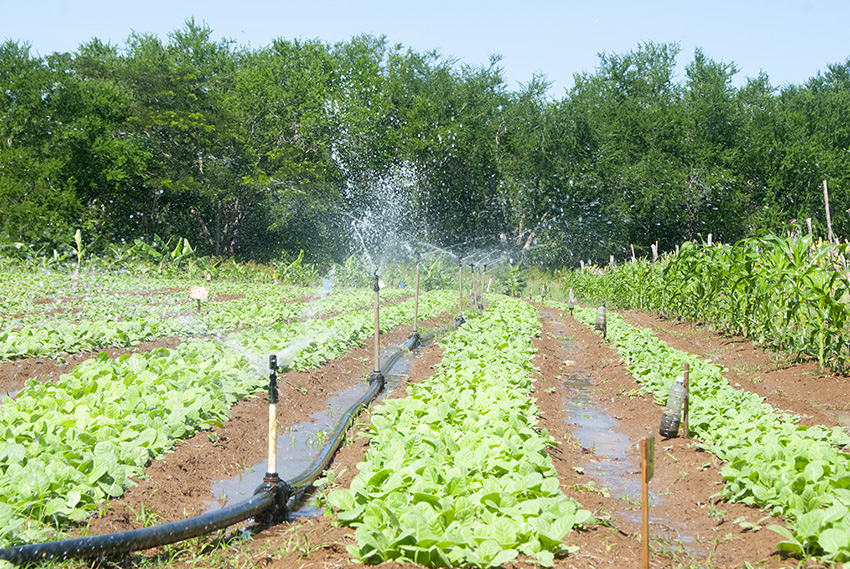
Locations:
(686, 410)
(416, 299)
(460, 289)
(601, 322)
(377, 368)
(271, 473)
(415, 333)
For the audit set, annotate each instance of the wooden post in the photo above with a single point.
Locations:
(687, 400)
(647, 469)
(460, 288)
(709, 239)
(633, 254)
(416, 299)
(377, 340)
(271, 472)
(830, 237)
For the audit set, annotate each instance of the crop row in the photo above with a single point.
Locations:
(457, 472)
(771, 460)
(67, 446)
(790, 293)
(114, 325)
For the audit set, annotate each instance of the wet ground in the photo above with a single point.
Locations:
(588, 403)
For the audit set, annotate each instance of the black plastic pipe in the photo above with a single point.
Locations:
(267, 504)
(145, 538)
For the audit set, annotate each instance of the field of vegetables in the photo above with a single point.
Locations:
(136, 403)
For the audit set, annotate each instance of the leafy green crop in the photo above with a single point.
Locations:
(771, 461)
(67, 446)
(114, 320)
(457, 473)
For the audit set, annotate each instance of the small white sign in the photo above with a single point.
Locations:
(199, 293)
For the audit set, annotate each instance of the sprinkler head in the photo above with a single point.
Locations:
(273, 393)
(414, 340)
(281, 491)
(377, 376)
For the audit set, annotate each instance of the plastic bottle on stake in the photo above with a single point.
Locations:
(673, 409)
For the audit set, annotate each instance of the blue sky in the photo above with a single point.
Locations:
(790, 40)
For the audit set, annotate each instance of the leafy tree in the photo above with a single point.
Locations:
(39, 205)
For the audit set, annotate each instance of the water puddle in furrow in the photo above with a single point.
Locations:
(617, 467)
(300, 444)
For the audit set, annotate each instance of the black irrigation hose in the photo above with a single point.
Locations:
(268, 502)
(143, 538)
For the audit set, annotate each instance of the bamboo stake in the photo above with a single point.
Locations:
(377, 354)
(685, 412)
(460, 288)
(271, 473)
(830, 237)
(416, 301)
(647, 466)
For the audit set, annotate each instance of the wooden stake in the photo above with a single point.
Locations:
(709, 239)
(272, 466)
(687, 401)
(377, 340)
(633, 254)
(416, 301)
(830, 237)
(647, 469)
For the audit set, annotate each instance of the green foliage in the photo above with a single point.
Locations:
(790, 293)
(771, 461)
(67, 446)
(262, 153)
(456, 473)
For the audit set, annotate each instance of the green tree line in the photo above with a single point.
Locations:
(258, 153)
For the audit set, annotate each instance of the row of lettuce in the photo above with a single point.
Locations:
(791, 293)
(67, 446)
(95, 319)
(773, 462)
(457, 473)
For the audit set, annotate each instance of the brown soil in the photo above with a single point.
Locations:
(14, 374)
(689, 527)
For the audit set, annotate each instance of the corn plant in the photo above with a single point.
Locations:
(791, 294)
